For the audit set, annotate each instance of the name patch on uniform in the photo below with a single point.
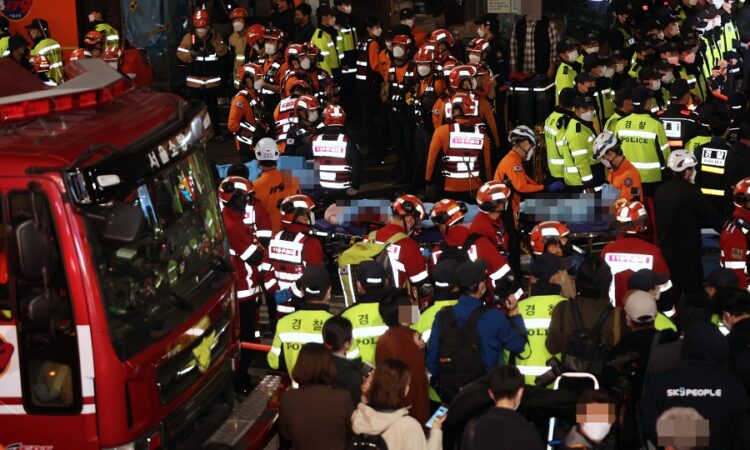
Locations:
(713, 157)
(738, 253)
(628, 182)
(672, 128)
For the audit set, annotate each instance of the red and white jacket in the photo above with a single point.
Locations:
(405, 255)
(330, 160)
(285, 118)
(734, 245)
(488, 247)
(626, 255)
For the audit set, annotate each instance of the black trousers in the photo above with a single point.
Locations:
(402, 131)
(422, 140)
(368, 94)
(246, 153)
(248, 325)
(210, 97)
(686, 275)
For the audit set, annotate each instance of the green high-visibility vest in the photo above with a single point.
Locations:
(554, 139)
(367, 327)
(644, 143)
(51, 49)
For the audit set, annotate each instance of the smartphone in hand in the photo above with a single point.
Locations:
(365, 370)
(438, 414)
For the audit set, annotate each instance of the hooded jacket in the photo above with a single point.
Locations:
(399, 430)
(700, 381)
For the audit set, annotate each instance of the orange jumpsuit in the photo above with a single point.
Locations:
(485, 113)
(440, 146)
(510, 170)
(625, 179)
(242, 111)
(271, 188)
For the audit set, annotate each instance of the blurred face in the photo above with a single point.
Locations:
(95, 16)
(34, 33)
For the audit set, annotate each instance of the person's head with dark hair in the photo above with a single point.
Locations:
(691, 309)
(444, 278)
(315, 284)
(371, 279)
(506, 387)
(470, 277)
(719, 123)
(595, 414)
(721, 277)
(238, 170)
(389, 386)
(314, 366)
(393, 306)
(371, 22)
(567, 97)
(734, 304)
(326, 17)
(302, 13)
(337, 335)
(593, 278)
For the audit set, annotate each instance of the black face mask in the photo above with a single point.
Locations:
(567, 249)
(650, 59)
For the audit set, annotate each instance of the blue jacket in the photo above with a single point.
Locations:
(496, 333)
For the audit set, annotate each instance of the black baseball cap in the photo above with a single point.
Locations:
(566, 45)
(583, 101)
(678, 89)
(646, 279)
(488, 19)
(567, 97)
(620, 55)
(315, 281)
(444, 274)
(649, 73)
(669, 47)
(721, 277)
(584, 77)
(371, 273)
(640, 95)
(593, 60)
(546, 265)
(590, 39)
(650, 25)
(17, 41)
(406, 13)
(39, 24)
(621, 95)
(470, 274)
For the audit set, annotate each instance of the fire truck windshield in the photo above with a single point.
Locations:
(155, 282)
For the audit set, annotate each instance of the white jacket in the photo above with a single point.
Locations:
(399, 430)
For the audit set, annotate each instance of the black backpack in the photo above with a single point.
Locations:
(368, 442)
(459, 356)
(458, 254)
(585, 351)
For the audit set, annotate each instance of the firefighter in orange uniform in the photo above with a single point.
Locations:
(428, 86)
(273, 65)
(201, 51)
(246, 112)
(273, 185)
(442, 42)
(623, 176)
(510, 170)
(284, 115)
(734, 236)
(93, 46)
(460, 152)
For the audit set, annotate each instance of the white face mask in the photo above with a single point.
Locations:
(609, 72)
(588, 116)
(529, 154)
(655, 85)
(347, 9)
(596, 431)
(717, 22)
(718, 3)
(92, 17)
(619, 68)
(660, 36)
(238, 26)
(572, 56)
(305, 63)
(258, 84)
(692, 2)
(201, 32)
(480, 32)
(693, 173)
(270, 49)
(690, 58)
(312, 116)
(667, 78)
(592, 50)
(377, 32)
(606, 163)
(474, 58)
(408, 22)
(673, 60)
(398, 52)
(423, 70)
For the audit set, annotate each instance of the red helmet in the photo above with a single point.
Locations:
(41, 64)
(307, 103)
(459, 74)
(238, 13)
(478, 45)
(254, 34)
(334, 115)
(295, 84)
(94, 37)
(545, 232)
(201, 19)
(296, 205)
(741, 193)
(424, 55)
(466, 103)
(442, 35)
(479, 67)
(230, 185)
(111, 54)
(493, 194)
(632, 217)
(273, 33)
(249, 70)
(79, 53)
(448, 212)
(311, 50)
(402, 40)
(295, 51)
(408, 205)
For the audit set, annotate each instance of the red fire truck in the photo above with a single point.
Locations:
(117, 305)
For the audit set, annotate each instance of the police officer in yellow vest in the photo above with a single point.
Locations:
(4, 37)
(329, 41)
(554, 132)
(46, 46)
(306, 324)
(547, 270)
(364, 315)
(568, 68)
(582, 171)
(446, 294)
(97, 22)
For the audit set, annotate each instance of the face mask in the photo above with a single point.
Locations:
(619, 68)
(690, 58)
(597, 431)
(423, 70)
(592, 50)
(655, 85)
(588, 116)
(258, 84)
(270, 49)
(92, 17)
(572, 56)
(305, 63)
(474, 58)
(609, 72)
(606, 163)
(692, 2)
(673, 60)
(529, 154)
(717, 22)
(377, 32)
(567, 249)
(658, 294)
(238, 25)
(312, 117)
(347, 9)
(398, 52)
(718, 3)
(201, 32)
(408, 22)
(667, 78)
(480, 32)
(660, 36)
(693, 173)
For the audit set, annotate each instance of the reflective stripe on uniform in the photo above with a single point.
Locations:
(419, 277)
(499, 273)
(735, 264)
(292, 336)
(649, 165)
(364, 332)
(717, 192)
(636, 133)
(532, 370)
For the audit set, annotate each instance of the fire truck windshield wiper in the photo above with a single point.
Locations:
(92, 150)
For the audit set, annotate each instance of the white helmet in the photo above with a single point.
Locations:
(679, 160)
(605, 141)
(266, 150)
(522, 133)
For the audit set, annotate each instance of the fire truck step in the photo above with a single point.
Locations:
(246, 413)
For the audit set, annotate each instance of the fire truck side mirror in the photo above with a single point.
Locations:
(124, 223)
(33, 250)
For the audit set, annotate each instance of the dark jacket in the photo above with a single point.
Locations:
(699, 381)
(736, 167)
(501, 429)
(638, 344)
(349, 377)
(739, 351)
(315, 417)
(303, 34)
(561, 326)
(681, 211)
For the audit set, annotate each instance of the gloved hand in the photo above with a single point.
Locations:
(556, 186)
(282, 296)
